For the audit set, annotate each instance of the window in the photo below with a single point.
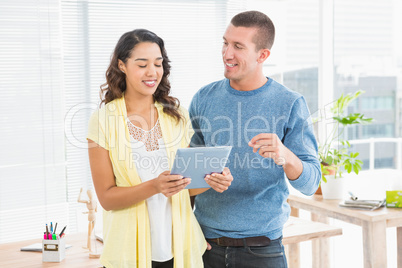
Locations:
(377, 103)
(364, 52)
(295, 54)
(32, 159)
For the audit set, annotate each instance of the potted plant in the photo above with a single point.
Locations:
(333, 153)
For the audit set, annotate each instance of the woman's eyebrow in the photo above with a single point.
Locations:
(158, 58)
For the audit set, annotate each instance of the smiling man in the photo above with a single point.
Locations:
(269, 128)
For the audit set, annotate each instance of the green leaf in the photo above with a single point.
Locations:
(348, 167)
(354, 155)
(343, 101)
(356, 169)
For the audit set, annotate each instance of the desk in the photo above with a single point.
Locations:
(76, 256)
(295, 231)
(373, 223)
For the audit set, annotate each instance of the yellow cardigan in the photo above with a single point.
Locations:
(126, 232)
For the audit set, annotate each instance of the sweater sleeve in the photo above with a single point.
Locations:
(188, 129)
(197, 139)
(299, 138)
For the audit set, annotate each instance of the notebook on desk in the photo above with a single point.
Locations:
(37, 247)
(363, 204)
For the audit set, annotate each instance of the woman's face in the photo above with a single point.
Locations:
(143, 69)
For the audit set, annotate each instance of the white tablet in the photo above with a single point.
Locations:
(197, 162)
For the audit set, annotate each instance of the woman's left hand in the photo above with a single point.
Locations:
(220, 182)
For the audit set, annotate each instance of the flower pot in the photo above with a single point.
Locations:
(319, 191)
(333, 188)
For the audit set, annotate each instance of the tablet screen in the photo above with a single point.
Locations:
(197, 162)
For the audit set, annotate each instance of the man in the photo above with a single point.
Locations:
(269, 128)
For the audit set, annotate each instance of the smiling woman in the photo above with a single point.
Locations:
(136, 98)
(140, 73)
(142, 200)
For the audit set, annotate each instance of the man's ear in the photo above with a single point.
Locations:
(264, 54)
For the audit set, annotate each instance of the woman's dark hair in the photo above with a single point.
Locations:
(116, 80)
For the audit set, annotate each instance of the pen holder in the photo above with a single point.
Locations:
(53, 250)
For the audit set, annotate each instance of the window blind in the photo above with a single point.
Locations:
(32, 158)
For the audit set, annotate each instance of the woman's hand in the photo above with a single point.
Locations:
(169, 185)
(220, 182)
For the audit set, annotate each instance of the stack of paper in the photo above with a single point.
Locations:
(364, 204)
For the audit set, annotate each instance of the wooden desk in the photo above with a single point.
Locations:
(76, 256)
(373, 223)
(295, 231)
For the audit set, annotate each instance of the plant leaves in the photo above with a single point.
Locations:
(341, 158)
(356, 169)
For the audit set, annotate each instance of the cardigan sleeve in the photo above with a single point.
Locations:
(97, 127)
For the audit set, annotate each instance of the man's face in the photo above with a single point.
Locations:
(239, 54)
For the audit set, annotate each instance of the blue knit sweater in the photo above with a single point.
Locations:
(255, 203)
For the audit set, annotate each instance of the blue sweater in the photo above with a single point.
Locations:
(255, 204)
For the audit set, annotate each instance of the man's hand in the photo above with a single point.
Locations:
(220, 182)
(269, 146)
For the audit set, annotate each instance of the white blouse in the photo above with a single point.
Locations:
(150, 157)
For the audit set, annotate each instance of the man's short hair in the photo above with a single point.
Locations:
(265, 28)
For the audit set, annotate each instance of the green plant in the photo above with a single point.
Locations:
(336, 160)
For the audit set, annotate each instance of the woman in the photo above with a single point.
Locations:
(132, 143)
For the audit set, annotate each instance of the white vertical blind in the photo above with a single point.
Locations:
(32, 158)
